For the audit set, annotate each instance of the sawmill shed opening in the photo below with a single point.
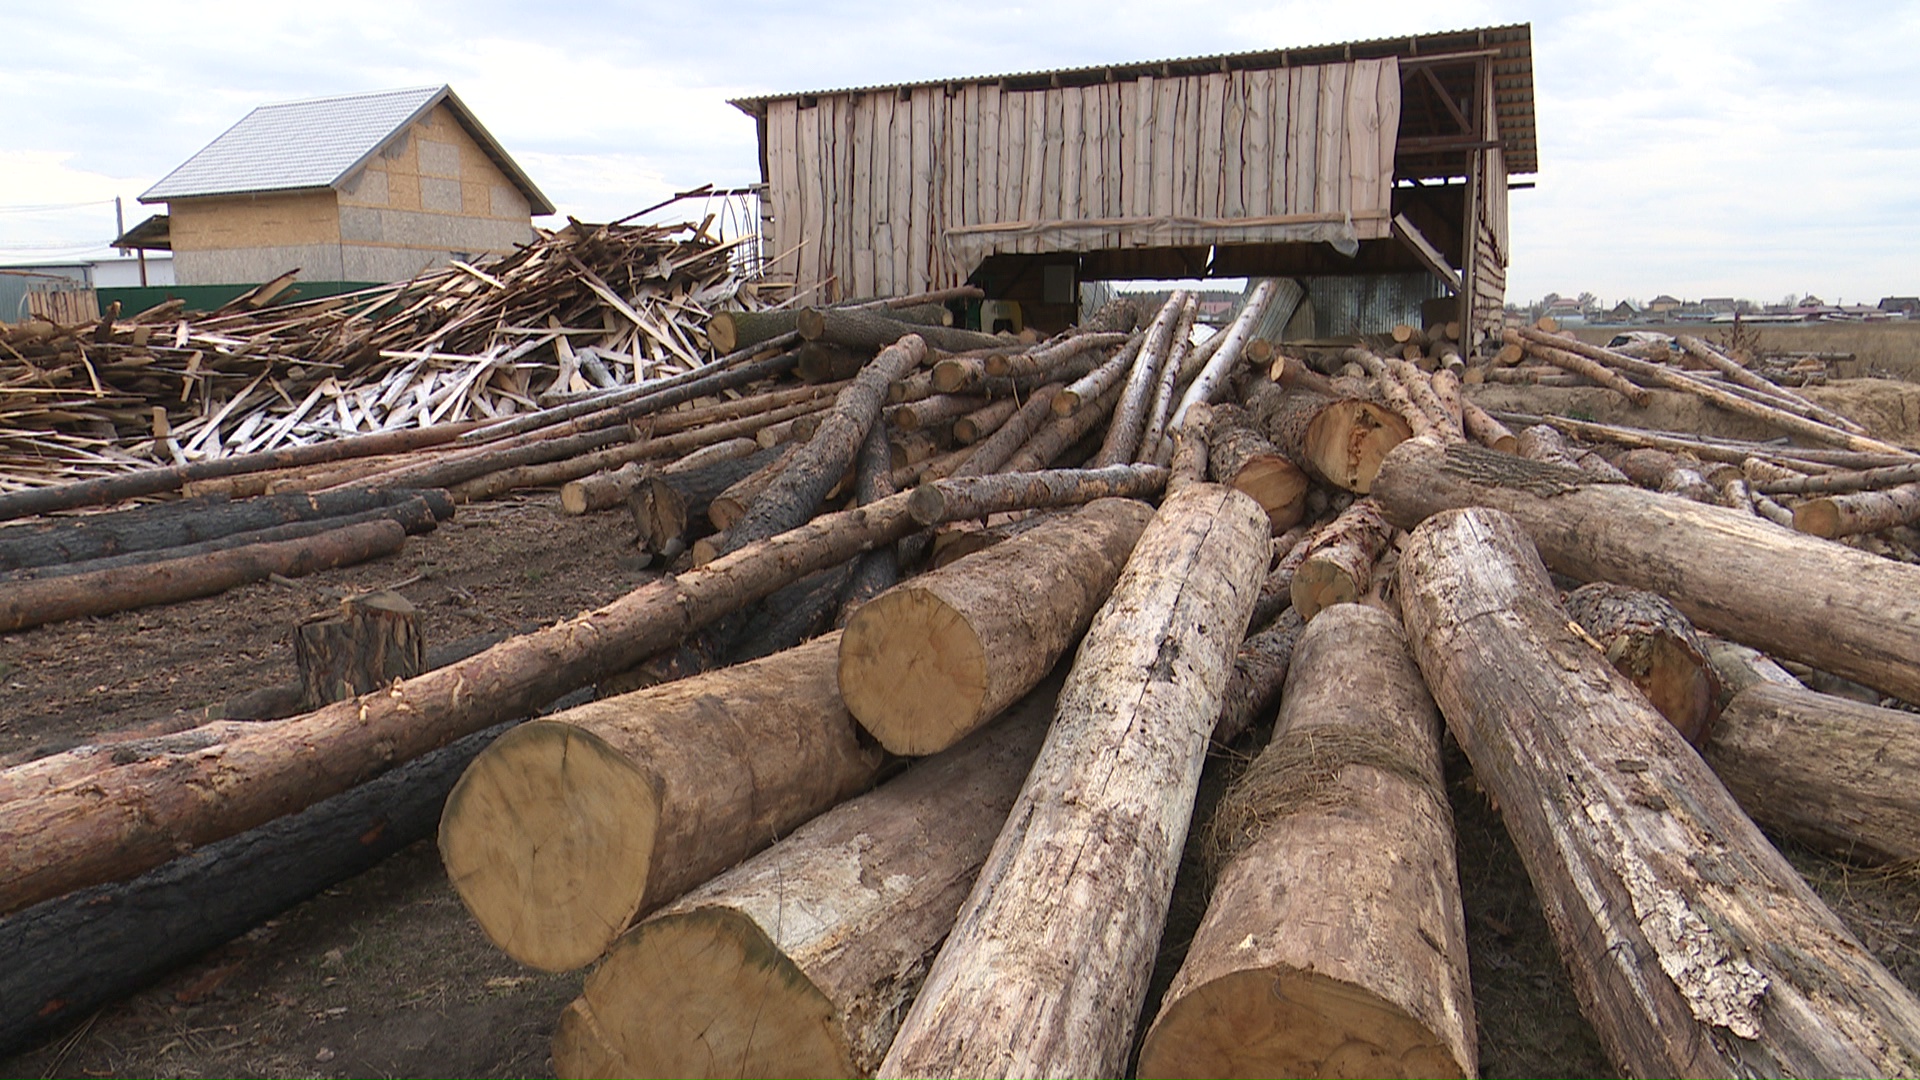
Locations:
(1373, 171)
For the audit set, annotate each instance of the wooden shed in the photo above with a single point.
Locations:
(1375, 157)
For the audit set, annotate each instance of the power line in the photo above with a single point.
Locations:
(44, 208)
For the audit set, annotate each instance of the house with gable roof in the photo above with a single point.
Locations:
(362, 188)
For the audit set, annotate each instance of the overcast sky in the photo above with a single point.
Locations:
(1751, 149)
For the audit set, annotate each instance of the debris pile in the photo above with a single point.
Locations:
(890, 774)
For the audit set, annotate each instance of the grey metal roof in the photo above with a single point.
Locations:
(318, 143)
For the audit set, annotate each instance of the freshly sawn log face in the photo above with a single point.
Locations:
(1647, 639)
(565, 830)
(801, 960)
(1340, 439)
(1045, 971)
(1334, 943)
(936, 657)
(1733, 574)
(1695, 949)
(1830, 772)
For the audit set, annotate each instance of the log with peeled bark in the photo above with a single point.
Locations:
(1726, 365)
(1052, 435)
(1485, 430)
(1830, 772)
(70, 955)
(1240, 457)
(763, 993)
(934, 658)
(1811, 600)
(1395, 394)
(1694, 947)
(797, 492)
(25, 604)
(1334, 943)
(1646, 639)
(1552, 349)
(1338, 566)
(1047, 966)
(1419, 387)
(1342, 440)
(874, 330)
(136, 816)
(1544, 443)
(1129, 414)
(1446, 389)
(177, 524)
(1858, 511)
(568, 828)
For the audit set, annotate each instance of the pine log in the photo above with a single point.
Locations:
(795, 429)
(988, 418)
(1419, 386)
(1338, 567)
(1044, 361)
(1095, 383)
(1341, 440)
(1240, 457)
(879, 569)
(1839, 610)
(1840, 481)
(1694, 947)
(1047, 435)
(825, 362)
(604, 491)
(1646, 639)
(176, 524)
(569, 827)
(1718, 361)
(1047, 966)
(797, 492)
(25, 604)
(1542, 442)
(1485, 430)
(930, 413)
(764, 993)
(372, 640)
(1186, 449)
(1129, 416)
(1667, 473)
(1334, 943)
(1276, 592)
(930, 661)
(72, 954)
(1259, 673)
(730, 505)
(1551, 350)
(1395, 394)
(1858, 512)
(731, 331)
(875, 330)
(1832, 773)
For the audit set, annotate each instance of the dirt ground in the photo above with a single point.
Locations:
(386, 975)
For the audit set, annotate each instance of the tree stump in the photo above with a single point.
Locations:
(373, 640)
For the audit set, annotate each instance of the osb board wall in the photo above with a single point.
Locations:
(436, 167)
(888, 193)
(244, 221)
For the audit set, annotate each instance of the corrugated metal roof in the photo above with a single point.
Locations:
(316, 143)
(1513, 75)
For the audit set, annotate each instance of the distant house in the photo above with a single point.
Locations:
(364, 188)
(1624, 312)
(1905, 305)
(1719, 305)
(1662, 304)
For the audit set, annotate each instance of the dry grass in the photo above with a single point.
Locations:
(1890, 348)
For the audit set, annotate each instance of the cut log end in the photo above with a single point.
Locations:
(704, 993)
(1348, 440)
(548, 839)
(1279, 487)
(913, 671)
(1289, 1022)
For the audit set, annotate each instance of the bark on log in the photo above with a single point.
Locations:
(1342, 440)
(1044, 361)
(1123, 432)
(25, 604)
(1394, 392)
(1832, 773)
(70, 955)
(799, 489)
(987, 419)
(875, 330)
(372, 640)
(1240, 457)
(1715, 359)
(1095, 383)
(605, 491)
(177, 524)
(1646, 639)
(1211, 380)
(1836, 482)
(879, 569)
(1858, 512)
(1485, 430)
(1051, 439)
(825, 362)
(1669, 474)
(766, 993)
(1334, 943)
(1338, 567)
(730, 505)
(933, 412)
(930, 661)
(1259, 673)
(1047, 966)
(570, 827)
(1543, 442)
(731, 331)
(1694, 947)
(1839, 610)
(1153, 426)
(137, 816)
(1551, 350)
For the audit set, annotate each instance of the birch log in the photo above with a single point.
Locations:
(1046, 969)
(1694, 947)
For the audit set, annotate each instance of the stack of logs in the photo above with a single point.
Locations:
(957, 618)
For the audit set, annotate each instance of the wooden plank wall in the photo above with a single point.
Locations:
(895, 191)
(1490, 239)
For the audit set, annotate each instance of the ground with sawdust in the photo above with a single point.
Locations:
(386, 975)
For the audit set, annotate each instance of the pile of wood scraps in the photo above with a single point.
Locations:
(581, 309)
(891, 774)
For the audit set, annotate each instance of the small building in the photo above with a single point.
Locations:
(1385, 161)
(364, 188)
(1624, 312)
(1664, 305)
(1903, 305)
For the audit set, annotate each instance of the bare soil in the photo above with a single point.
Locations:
(387, 975)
